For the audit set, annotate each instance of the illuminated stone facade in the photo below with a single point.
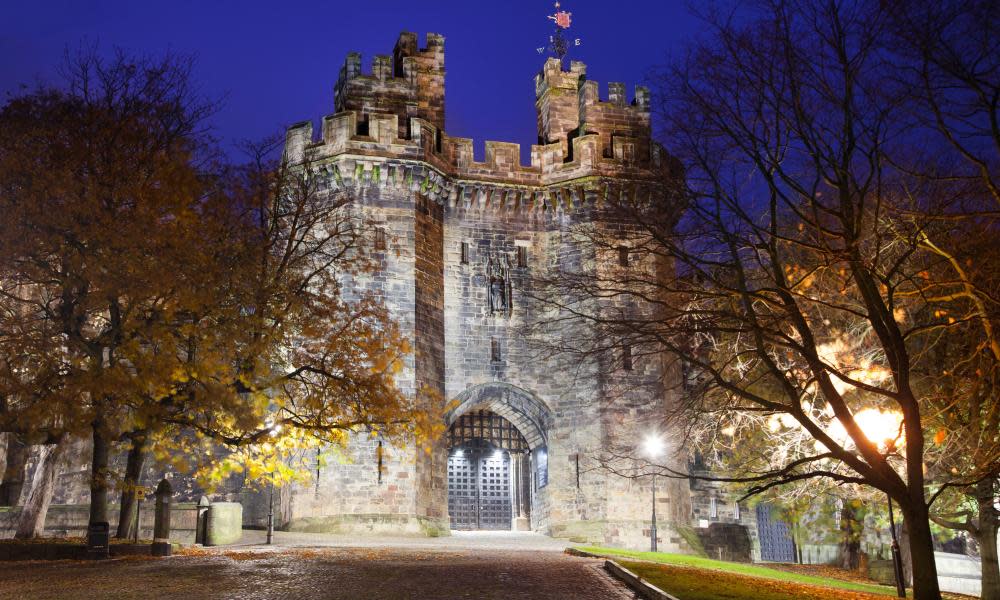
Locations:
(464, 242)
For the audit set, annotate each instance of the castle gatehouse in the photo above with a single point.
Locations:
(460, 243)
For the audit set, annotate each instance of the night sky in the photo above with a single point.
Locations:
(276, 62)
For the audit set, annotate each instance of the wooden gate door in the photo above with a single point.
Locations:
(479, 488)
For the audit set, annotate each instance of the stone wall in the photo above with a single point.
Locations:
(348, 492)
(70, 520)
(429, 347)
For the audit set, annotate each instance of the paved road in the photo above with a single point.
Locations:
(458, 540)
(329, 572)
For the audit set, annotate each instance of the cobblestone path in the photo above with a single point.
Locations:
(318, 573)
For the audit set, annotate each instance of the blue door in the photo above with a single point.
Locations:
(775, 538)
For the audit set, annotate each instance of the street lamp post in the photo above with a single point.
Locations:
(270, 500)
(652, 527)
(653, 449)
(270, 512)
(897, 563)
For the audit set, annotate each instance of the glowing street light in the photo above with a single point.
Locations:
(885, 430)
(653, 447)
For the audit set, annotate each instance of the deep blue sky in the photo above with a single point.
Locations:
(276, 62)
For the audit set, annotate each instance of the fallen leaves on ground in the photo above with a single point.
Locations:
(832, 572)
(701, 584)
(829, 571)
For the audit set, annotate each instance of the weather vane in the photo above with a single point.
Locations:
(558, 44)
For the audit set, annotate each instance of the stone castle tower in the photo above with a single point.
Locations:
(460, 244)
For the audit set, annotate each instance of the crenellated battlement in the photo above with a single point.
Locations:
(569, 106)
(395, 116)
(409, 83)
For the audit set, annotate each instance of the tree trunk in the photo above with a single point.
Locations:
(13, 474)
(904, 550)
(99, 475)
(5, 439)
(851, 527)
(31, 522)
(986, 536)
(921, 550)
(130, 486)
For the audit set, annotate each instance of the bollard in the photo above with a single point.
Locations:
(161, 521)
(98, 540)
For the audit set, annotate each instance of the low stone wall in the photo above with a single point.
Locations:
(589, 532)
(32, 550)
(371, 524)
(959, 573)
(956, 573)
(819, 554)
(70, 520)
(726, 541)
(881, 571)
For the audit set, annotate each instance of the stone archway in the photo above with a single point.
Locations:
(482, 466)
(526, 411)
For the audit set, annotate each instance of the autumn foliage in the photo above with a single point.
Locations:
(156, 299)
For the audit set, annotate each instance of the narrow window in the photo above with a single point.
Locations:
(378, 455)
(380, 238)
(713, 508)
(522, 257)
(495, 350)
(623, 256)
(465, 253)
(736, 511)
(627, 357)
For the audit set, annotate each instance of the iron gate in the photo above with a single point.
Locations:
(776, 543)
(479, 487)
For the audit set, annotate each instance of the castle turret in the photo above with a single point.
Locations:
(556, 100)
(410, 83)
(426, 69)
(569, 106)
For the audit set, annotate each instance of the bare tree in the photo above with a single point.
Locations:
(794, 289)
(947, 63)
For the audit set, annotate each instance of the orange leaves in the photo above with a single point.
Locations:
(940, 436)
(690, 582)
(206, 309)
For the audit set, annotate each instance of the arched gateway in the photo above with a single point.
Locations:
(496, 440)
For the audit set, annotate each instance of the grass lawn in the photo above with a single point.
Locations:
(686, 578)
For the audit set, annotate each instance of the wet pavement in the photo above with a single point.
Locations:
(323, 567)
(458, 540)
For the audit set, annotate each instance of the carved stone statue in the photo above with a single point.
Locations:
(498, 280)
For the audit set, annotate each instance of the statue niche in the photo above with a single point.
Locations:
(498, 284)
